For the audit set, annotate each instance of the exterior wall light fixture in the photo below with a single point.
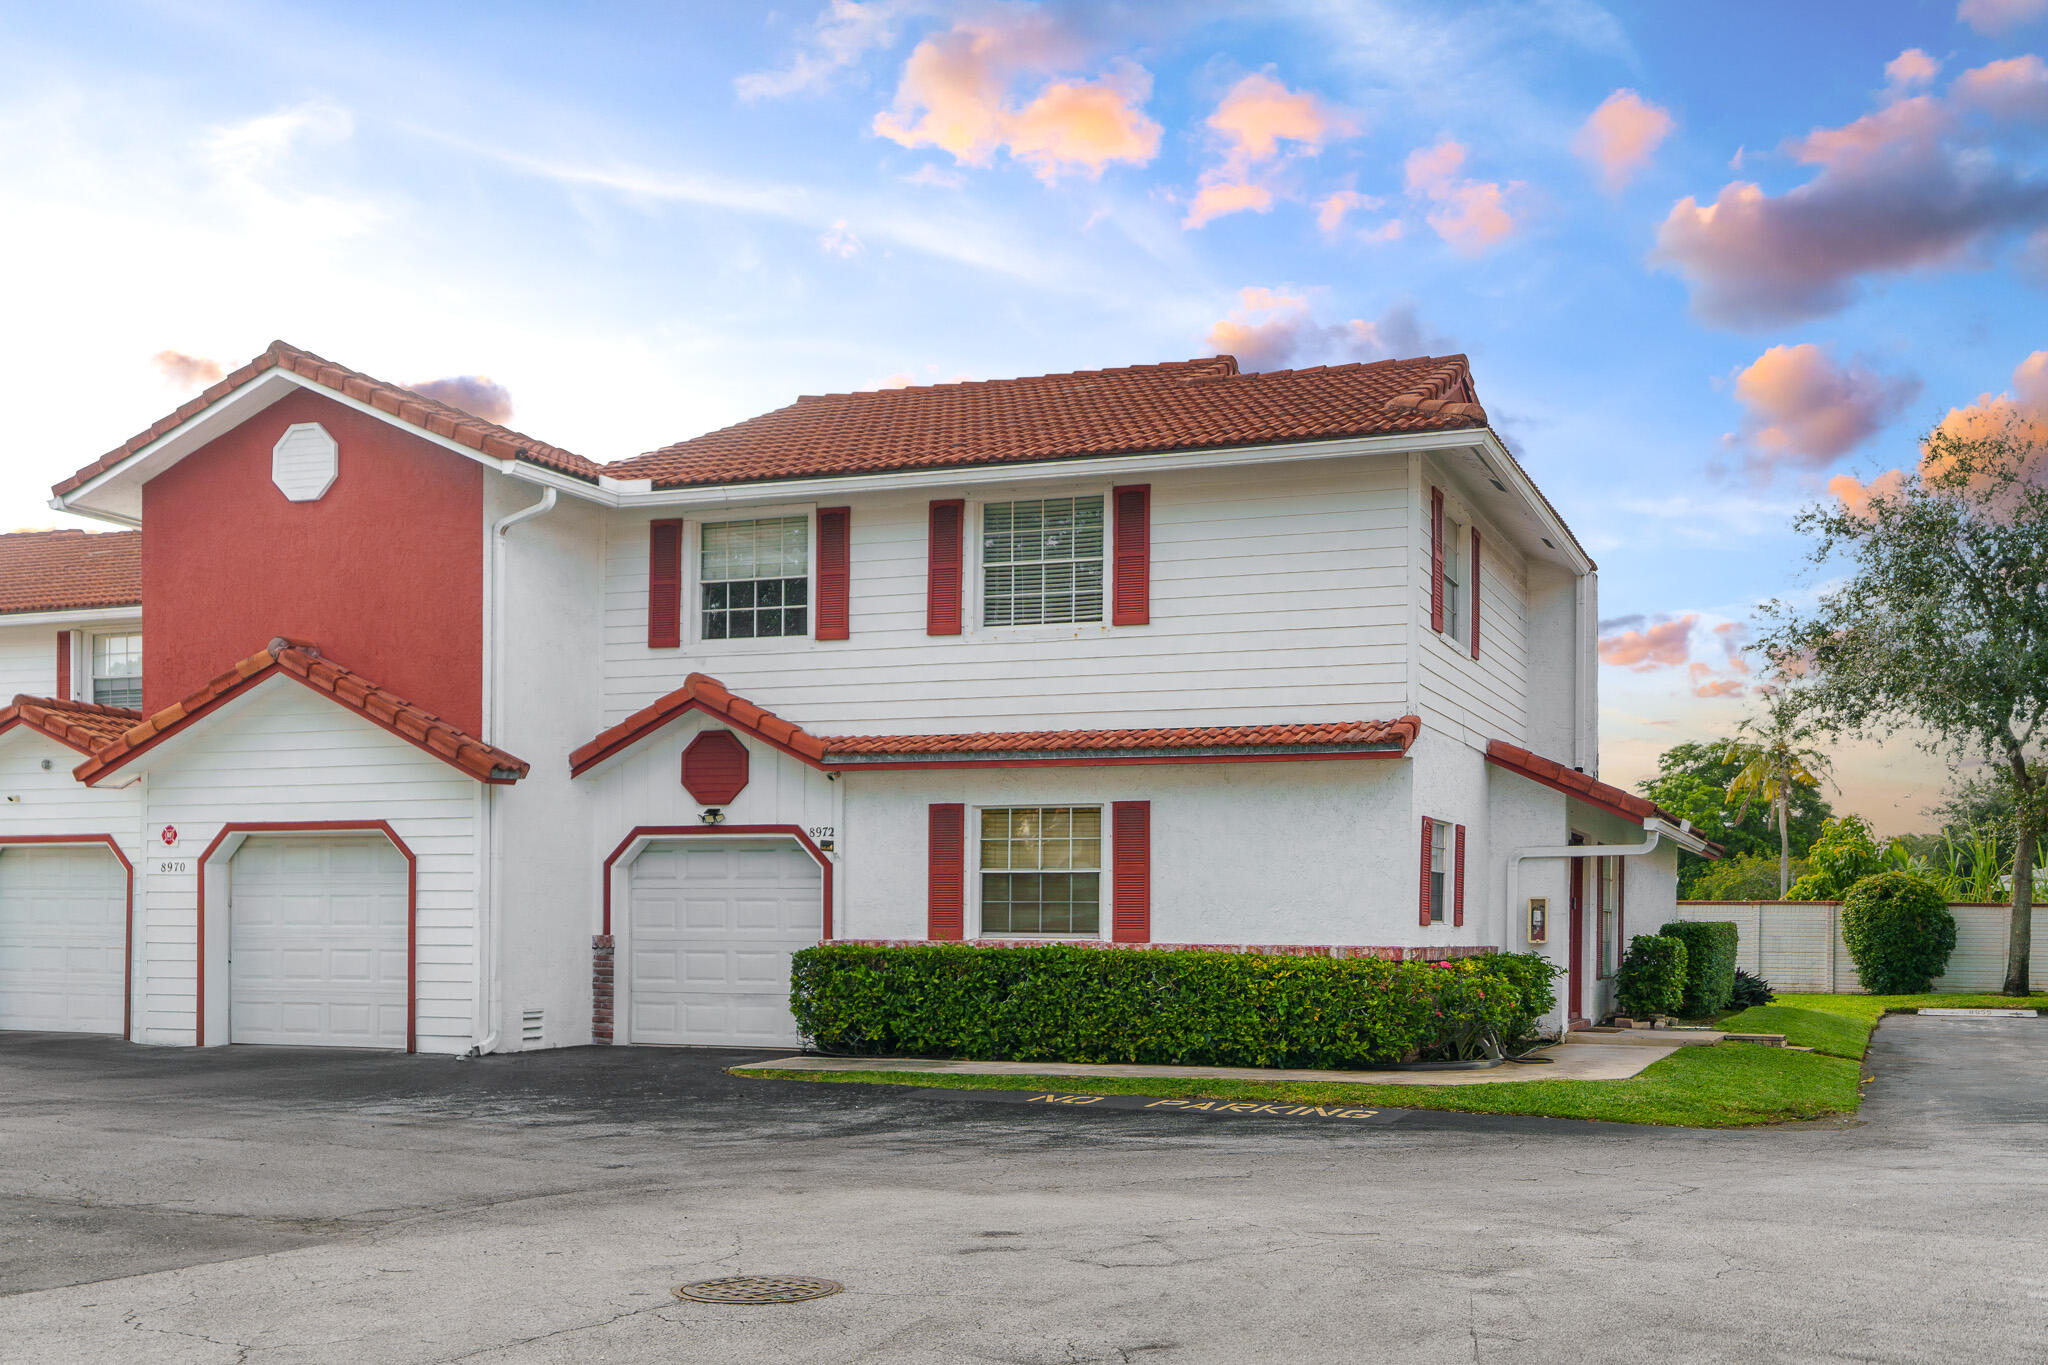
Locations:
(713, 815)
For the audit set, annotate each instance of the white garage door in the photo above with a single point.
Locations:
(712, 929)
(317, 951)
(63, 938)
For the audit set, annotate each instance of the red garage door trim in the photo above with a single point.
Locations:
(647, 832)
(214, 854)
(128, 930)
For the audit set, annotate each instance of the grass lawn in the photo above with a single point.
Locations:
(1840, 1025)
(1732, 1085)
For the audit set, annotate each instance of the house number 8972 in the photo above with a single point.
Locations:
(820, 831)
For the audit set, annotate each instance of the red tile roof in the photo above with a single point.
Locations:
(487, 438)
(1388, 734)
(1572, 782)
(82, 725)
(68, 570)
(701, 693)
(1181, 405)
(304, 663)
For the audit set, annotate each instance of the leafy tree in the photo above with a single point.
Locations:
(1942, 625)
(1846, 852)
(1692, 783)
(1744, 877)
(1775, 759)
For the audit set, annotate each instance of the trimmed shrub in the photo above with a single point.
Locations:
(1061, 1002)
(1709, 964)
(1899, 931)
(1652, 977)
(1751, 990)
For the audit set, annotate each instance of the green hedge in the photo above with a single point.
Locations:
(1652, 977)
(1899, 931)
(1709, 964)
(1066, 1003)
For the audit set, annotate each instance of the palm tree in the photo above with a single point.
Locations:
(1776, 758)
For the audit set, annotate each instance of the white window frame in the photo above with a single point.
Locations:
(693, 577)
(1441, 836)
(84, 665)
(1103, 909)
(977, 576)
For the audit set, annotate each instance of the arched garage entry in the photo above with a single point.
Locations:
(707, 920)
(307, 936)
(65, 934)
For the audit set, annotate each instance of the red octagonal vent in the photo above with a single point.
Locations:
(715, 767)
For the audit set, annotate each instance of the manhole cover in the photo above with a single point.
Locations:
(758, 1289)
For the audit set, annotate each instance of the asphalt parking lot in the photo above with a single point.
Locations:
(273, 1205)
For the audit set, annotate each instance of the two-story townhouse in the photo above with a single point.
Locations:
(1163, 654)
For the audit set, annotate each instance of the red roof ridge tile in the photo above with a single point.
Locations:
(1572, 782)
(394, 400)
(302, 661)
(81, 725)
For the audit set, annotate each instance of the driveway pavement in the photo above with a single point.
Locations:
(272, 1205)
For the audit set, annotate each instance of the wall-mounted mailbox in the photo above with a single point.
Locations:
(1539, 919)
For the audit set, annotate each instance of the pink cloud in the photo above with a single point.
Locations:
(1665, 644)
(1892, 193)
(1720, 687)
(1910, 68)
(1803, 408)
(1471, 215)
(955, 94)
(2015, 88)
(1997, 17)
(475, 394)
(1254, 124)
(187, 371)
(1332, 210)
(1855, 495)
(1271, 330)
(2021, 412)
(1620, 136)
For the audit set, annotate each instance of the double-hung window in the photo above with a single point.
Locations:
(1439, 871)
(755, 578)
(1607, 884)
(1454, 580)
(117, 670)
(1041, 561)
(1041, 871)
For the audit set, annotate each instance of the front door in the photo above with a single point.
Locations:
(1575, 969)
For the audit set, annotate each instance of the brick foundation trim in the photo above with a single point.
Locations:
(601, 988)
(1443, 953)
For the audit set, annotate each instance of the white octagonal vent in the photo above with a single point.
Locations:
(304, 461)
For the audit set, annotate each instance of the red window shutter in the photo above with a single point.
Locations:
(1130, 824)
(63, 665)
(1436, 559)
(835, 571)
(1427, 830)
(942, 591)
(945, 917)
(664, 584)
(1131, 594)
(1474, 594)
(1458, 879)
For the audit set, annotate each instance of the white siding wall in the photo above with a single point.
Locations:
(1479, 699)
(51, 801)
(1241, 853)
(1276, 595)
(281, 753)
(28, 661)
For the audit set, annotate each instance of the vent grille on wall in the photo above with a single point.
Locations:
(531, 1025)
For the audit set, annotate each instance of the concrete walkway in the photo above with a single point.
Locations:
(1582, 1061)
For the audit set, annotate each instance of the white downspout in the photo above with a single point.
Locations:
(489, 974)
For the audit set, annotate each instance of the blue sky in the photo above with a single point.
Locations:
(1705, 259)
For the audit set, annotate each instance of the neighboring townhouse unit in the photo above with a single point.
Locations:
(449, 739)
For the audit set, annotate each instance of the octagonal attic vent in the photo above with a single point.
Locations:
(715, 767)
(304, 461)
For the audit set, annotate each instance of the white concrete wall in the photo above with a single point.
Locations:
(39, 800)
(1797, 946)
(548, 704)
(1322, 852)
(282, 753)
(1277, 594)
